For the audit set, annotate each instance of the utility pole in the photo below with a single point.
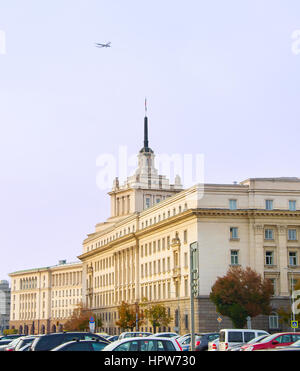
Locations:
(194, 286)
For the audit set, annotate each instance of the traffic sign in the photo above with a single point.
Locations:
(294, 324)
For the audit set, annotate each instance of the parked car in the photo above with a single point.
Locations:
(273, 341)
(293, 347)
(81, 346)
(20, 342)
(165, 334)
(113, 338)
(50, 341)
(134, 334)
(185, 341)
(258, 339)
(232, 337)
(213, 346)
(5, 343)
(149, 343)
(201, 341)
(11, 336)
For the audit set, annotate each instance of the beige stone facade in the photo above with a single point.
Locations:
(142, 250)
(43, 299)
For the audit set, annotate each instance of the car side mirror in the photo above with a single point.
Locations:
(275, 342)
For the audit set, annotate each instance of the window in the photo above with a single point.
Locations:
(234, 257)
(235, 337)
(292, 258)
(269, 260)
(147, 202)
(185, 236)
(232, 204)
(292, 205)
(269, 204)
(269, 235)
(273, 321)
(292, 234)
(234, 233)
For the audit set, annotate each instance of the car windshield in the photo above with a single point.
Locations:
(268, 338)
(257, 340)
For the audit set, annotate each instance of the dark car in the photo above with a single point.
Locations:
(202, 340)
(50, 341)
(81, 346)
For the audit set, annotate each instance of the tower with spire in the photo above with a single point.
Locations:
(145, 188)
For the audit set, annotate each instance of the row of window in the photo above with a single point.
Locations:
(269, 234)
(269, 205)
(268, 259)
(159, 245)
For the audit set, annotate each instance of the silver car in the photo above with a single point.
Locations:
(149, 343)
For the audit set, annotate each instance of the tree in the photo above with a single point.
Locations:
(128, 313)
(242, 293)
(157, 314)
(80, 319)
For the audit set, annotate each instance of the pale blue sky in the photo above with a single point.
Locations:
(219, 76)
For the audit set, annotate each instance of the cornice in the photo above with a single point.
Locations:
(187, 215)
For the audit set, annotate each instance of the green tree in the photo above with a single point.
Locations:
(157, 314)
(242, 293)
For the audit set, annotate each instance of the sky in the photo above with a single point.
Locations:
(221, 80)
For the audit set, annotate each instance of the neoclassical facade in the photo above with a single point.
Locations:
(142, 250)
(43, 299)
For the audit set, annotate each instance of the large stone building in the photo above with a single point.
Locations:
(43, 299)
(4, 305)
(142, 249)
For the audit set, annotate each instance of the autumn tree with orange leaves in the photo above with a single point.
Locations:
(80, 319)
(242, 293)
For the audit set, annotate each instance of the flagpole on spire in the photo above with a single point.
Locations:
(146, 143)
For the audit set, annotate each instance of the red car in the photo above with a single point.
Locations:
(273, 341)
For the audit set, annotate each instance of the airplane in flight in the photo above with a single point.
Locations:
(103, 45)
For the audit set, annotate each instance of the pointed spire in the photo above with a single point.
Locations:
(146, 141)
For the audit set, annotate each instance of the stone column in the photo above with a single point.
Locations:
(259, 248)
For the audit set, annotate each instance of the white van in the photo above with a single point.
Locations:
(232, 337)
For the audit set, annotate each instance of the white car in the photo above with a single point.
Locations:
(149, 343)
(213, 346)
(134, 334)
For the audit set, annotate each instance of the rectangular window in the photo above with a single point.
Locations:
(269, 235)
(292, 258)
(269, 204)
(292, 235)
(269, 260)
(234, 256)
(185, 236)
(292, 205)
(234, 233)
(232, 204)
(147, 202)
